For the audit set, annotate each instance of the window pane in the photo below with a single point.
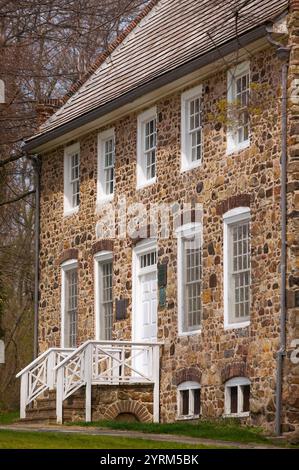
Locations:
(194, 130)
(185, 402)
(109, 161)
(192, 283)
(106, 310)
(150, 137)
(241, 270)
(234, 399)
(196, 401)
(72, 306)
(246, 397)
(74, 180)
(242, 99)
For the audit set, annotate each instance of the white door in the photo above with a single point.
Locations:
(145, 308)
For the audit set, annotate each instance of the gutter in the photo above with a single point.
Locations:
(283, 54)
(179, 72)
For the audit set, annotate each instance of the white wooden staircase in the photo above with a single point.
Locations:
(51, 379)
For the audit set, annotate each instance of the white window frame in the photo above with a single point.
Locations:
(233, 74)
(238, 382)
(190, 386)
(68, 265)
(102, 195)
(142, 119)
(239, 214)
(182, 232)
(186, 97)
(100, 258)
(69, 151)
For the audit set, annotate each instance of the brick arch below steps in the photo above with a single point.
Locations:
(131, 407)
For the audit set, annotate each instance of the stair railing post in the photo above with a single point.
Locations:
(59, 395)
(51, 363)
(88, 380)
(156, 380)
(23, 395)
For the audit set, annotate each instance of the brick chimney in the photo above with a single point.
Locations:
(46, 108)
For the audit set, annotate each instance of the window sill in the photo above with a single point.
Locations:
(70, 212)
(246, 414)
(187, 418)
(234, 326)
(192, 166)
(237, 148)
(145, 184)
(189, 333)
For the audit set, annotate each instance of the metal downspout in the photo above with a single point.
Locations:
(36, 165)
(283, 53)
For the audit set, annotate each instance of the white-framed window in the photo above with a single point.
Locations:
(236, 263)
(188, 400)
(71, 179)
(146, 147)
(189, 278)
(191, 136)
(106, 162)
(69, 303)
(104, 295)
(238, 92)
(237, 397)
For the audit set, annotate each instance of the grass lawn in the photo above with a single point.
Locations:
(8, 417)
(221, 430)
(52, 440)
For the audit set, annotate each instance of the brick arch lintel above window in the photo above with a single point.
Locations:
(235, 369)
(240, 200)
(70, 253)
(188, 374)
(102, 245)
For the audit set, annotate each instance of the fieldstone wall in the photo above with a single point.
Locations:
(291, 369)
(250, 177)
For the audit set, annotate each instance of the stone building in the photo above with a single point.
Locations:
(162, 289)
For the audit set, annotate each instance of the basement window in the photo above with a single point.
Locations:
(71, 179)
(146, 147)
(188, 400)
(237, 396)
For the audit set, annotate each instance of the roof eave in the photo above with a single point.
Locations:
(189, 67)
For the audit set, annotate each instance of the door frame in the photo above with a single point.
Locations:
(142, 248)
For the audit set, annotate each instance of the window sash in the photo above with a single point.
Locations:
(106, 299)
(189, 402)
(149, 148)
(192, 261)
(238, 399)
(74, 179)
(194, 129)
(108, 165)
(239, 270)
(71, 305)
(242, 91)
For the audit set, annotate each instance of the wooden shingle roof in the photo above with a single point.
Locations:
(168, 34)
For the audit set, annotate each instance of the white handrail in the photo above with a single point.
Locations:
(105, 343)
(39, 376)
(102, 362)
(38, 358)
